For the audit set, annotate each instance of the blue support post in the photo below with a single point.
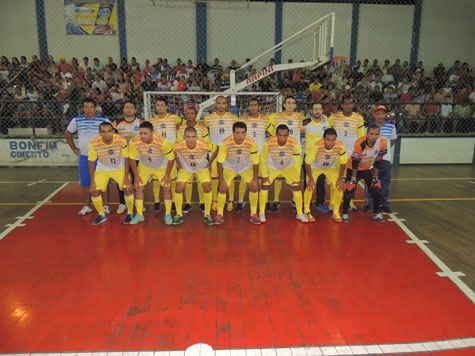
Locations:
(416, 30)
(41, 24)
(201, 32)
(122, 28)
(278, 29)
(355, 18)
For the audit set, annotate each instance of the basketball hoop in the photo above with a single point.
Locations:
(337, 67)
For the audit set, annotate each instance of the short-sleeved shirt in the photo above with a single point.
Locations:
(110, 157)
(127, 129)
(280, 157)
(294, 122)
(166, 126)
(238, 158)
(388, 132)
(87, 129)
(348, 128)
(320, 158)
(257, 128)
(153, 155)
(314, 131)
(219, 126)
(201, 131)
(194, 159)
(366, 155)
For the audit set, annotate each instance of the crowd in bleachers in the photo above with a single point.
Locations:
(48, 94)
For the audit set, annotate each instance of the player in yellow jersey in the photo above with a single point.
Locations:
(156, 161)
(326, 157)
(238, 155)
(220, 125)
(349, 127)
(294, 121)
(165, 125)
(192, 159)
(314, 128)
(281, 158)
(203, 135)
(111, 151)
(257, 127)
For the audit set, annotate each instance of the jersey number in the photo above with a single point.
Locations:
(164, 134)
(221, 131)
(113, 161)
(291, 131)
(192, 164)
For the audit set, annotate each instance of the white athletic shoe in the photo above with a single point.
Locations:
(85, 210)
(121, 209)
(301, 217)
(107, 210)
(262, 217)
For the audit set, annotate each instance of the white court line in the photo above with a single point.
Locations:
(11, 227)
(445, 270)
(40, 181)
(330, 350)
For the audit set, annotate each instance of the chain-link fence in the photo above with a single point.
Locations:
(193, 46)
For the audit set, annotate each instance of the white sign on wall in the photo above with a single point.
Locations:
(39, 152)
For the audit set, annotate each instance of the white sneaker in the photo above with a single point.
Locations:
(121, 209)
(107, 210)
(302, 218)
(262, 217)
(85, 210)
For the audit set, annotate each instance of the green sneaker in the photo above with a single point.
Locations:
(208, 220)
(168, 219)
(177, 220)
(137, 219)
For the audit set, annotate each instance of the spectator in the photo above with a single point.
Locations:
(182, 85)
(430, 111)
(97, 67)
(216, 68)
(99, 83)
(149, 84)
(412, 112)
(190, 67)
(63, 66)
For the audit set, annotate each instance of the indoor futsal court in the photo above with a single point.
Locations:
(282, 288)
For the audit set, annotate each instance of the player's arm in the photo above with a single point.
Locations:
(297, 158)
(309, 158)
(222, 154)
(72, 128)
(213, 149)
(206, 135)
(355, 162)
(92, 157)
(361, 128)
(133, 155)
(167, 150)
(255, 166)
(270, 128)
(343, 160)
(178, 121)
(125, 153)
(263, 165)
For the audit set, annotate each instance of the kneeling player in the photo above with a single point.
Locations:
(156, 161)
(322, 158)
(281, 158)
(192, 158)
(365, 164)
(238, 154)
(111, 151)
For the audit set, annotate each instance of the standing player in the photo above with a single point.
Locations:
(127, 127)
(365, 163)
(165, 125)
(220, 126)
(349, 127)
(388, 132)
(192, 159)
(156, 161)
(281, 158)
(202, 135)
(111, 152)
(87, 127)
(314, 129)
(238, 154)
(257, 127)
(294, 121)
(326, 157)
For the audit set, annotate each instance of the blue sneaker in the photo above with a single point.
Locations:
(168, 219)
(99, 220)
(322, 208)
(137, 219)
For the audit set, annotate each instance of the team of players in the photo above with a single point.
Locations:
(170, 151)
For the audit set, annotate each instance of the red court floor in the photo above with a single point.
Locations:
(67, 286)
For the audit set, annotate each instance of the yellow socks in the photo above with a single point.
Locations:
(129, 201)
(307, 199)
(221, 202)
(253, 198)
(263, 196)
(242, 190)
(208, 199)
(201, 192)
(178, 203)
(97, 201)
(188, 192)
(168, 206)
(156, 190)
(277, 189)
(214, 188)
(139, 206)
(298, 201)
(231, 190)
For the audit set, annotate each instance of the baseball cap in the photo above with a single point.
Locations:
(380, 107)
(62, 58)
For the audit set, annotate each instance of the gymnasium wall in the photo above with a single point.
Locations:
(237, 30)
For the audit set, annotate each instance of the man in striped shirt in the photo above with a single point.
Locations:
(388, 132)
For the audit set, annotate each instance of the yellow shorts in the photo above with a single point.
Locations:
(145, 173)
(102, 178)
(229, 175)
(290, 174)
(331, 174)
(202, 176)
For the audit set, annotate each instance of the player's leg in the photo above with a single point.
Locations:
(156, 194)
(101, 179)
(200, 195)
(122, 207)
(188, 195)
(84, 182)
(264, 193)
(247, 176)
(180, 187)
(277, 189)
(204, 180)
(321, 194)
(242, 193)
(231, 189)
(144, 174)
(336, 195)
(376, 194)
(308, 195)
(293, 179)
(347, 196)
(228, 176)
(118, 176)
(214, 183)
(385, 178)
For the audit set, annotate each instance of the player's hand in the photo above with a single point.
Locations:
(311, 185)
(92, 187)
(223, 187)
(340, 185)
(253, 185)
(138, 182)
(167, 182)
(351, 185)
(376, 183)
(76, 151)
(265, 181)
(126, 183)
